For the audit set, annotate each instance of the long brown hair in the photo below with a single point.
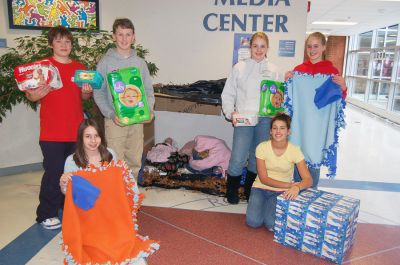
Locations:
(80, 156)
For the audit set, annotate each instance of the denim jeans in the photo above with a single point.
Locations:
(261, 208)
(245, 141)
(315, 172)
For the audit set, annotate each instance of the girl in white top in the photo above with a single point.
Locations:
(241, 95)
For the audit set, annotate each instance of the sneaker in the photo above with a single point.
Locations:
(51, 223)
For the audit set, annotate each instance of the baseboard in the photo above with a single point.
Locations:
(6, 171)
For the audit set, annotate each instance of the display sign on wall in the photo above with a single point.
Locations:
(287, 48)
(3, 43)
(241, 47)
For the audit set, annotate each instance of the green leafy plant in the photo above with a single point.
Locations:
(88, 47)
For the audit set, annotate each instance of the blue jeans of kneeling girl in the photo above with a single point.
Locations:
(261, 208)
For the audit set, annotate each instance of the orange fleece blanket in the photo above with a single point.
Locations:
(106, 233)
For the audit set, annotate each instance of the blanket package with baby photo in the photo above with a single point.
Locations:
(128, 94)
(271, 98)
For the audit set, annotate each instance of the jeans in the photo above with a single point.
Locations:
(245, 141)
(315, 172)
(261, 208)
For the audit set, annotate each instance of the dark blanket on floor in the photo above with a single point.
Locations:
(207, 184)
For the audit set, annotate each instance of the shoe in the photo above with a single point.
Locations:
(248, 184)
(51, 223)
(232, 189)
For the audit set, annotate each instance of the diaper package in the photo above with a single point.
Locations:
(271, 98)
(128, 94)
(94, 78)
(317, 222)
(32, 75)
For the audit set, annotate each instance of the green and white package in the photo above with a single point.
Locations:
(271, 98)
(128, 94)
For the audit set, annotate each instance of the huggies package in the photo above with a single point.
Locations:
(32, 75)
(128, 94)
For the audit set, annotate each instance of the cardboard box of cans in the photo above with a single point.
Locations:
(317, 222)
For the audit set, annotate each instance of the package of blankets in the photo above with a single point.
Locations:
(32, 75)
(271, 98)
(100, 217)
(128, 94)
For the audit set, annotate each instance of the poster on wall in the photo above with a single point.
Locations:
(41, 14)
(241, 47)
(287, 48)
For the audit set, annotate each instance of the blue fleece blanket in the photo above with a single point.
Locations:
(314, 130)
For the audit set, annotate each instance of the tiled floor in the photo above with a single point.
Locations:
(368, 169)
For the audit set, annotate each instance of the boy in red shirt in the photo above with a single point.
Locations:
(60, 115)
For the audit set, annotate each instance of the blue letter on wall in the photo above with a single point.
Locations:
(205, 22)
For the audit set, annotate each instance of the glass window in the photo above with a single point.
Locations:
(373, 68)
(350, 69)
(382, 64)
(398, 67)
(362, 63)
(380, 38)
(396, 104)
(379, 94)
(359, 87)
(366, 40)
(387, 65)
(377, 65)
(392, 36)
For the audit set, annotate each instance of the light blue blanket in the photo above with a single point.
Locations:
(314, 130)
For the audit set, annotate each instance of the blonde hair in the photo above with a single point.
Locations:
(260, 35)
(321, 37)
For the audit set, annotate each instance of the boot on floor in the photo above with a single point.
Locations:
(232, 189)
(250, 177)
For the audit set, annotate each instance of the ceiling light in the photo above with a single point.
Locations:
(338, 23)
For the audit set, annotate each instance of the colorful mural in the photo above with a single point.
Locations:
(49, 13)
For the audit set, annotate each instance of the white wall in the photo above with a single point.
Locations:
(183, 50)
(189, 126)
(19, 137)
(19, 131)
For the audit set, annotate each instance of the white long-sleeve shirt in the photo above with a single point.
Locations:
(242, 88)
